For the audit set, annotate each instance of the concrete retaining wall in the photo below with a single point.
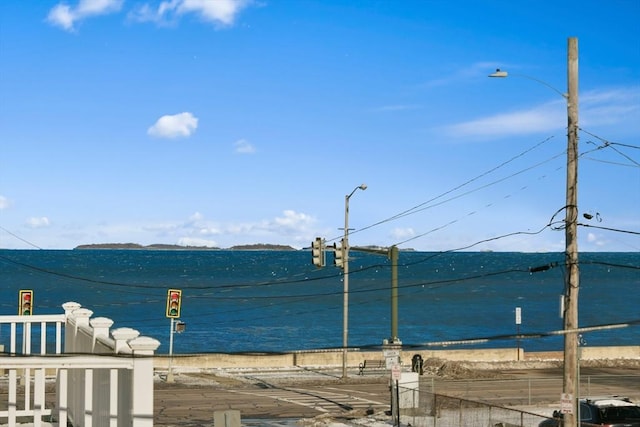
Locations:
(329, 358)
(599, 353)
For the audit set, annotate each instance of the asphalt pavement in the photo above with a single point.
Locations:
(280, 397)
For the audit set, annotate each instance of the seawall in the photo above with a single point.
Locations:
(329, 358)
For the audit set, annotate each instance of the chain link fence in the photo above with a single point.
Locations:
(505, 403)
(436, 410)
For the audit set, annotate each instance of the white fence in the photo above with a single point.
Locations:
(102, 378)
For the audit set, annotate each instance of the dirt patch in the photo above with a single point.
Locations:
(442, 368)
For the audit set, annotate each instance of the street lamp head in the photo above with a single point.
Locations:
(359, 187)
(499, 73)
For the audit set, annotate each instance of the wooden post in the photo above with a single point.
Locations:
(570, 384)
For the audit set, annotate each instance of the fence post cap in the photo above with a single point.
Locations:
(101, 322)
(82, 315)
(144, 345)
(124, 334)
(70, 306)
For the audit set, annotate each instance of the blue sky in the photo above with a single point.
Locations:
(227, 122)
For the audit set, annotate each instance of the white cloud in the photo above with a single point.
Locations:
(177, 125)
(289, 227)
(197, 216)
(292, 219)
(41, 222)
(4, 203)
(196, 242)
(402, 233)
(597, 107)
(244, 147)
(219, 12)
(65, 16)
(609, 107)
(539, 119)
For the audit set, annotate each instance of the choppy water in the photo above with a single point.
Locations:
(235, 301)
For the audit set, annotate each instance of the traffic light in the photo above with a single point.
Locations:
(338, 254)
(174, 300)
(25, 302)
(317, 252)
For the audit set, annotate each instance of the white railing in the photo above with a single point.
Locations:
(103, 377)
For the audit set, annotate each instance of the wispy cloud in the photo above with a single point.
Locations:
(292, 220)
(40, 222)
(402, 233)
(222, 13)
(174, 126)
(218, 12)
(4, 203)
(538, 119)
(597, 107)
(197, 230)
(65, 16)
(242, 146)
(197, 242)
(607, 107)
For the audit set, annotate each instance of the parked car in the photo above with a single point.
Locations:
(610, 412)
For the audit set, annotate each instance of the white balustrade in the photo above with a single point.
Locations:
(94, 386)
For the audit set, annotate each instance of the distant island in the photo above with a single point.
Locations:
(165, 247)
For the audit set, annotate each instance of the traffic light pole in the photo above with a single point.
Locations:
(174, 302)
(170, 369)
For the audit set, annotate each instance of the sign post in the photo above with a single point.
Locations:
(518, 322)
(174, 302)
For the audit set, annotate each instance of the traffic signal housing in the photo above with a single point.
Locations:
(174, 301)
(25, 302)
(338, 254)
(317, 252)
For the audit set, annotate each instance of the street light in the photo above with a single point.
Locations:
(571, 377)
(345, 265)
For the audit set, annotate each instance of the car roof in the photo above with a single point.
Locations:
(609, 402)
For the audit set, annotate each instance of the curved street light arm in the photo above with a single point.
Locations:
(504, 74)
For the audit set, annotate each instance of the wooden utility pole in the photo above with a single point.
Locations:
(570, 382)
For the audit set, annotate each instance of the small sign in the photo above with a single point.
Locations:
(390, 362)
(391, 353)
(396, 372)
(566, 403)
(518, 316)
(391, 357)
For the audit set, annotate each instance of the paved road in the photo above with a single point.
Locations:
(188, 404)
(176, 405)
(261, 396)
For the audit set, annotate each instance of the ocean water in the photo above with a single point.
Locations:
(275, 301)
